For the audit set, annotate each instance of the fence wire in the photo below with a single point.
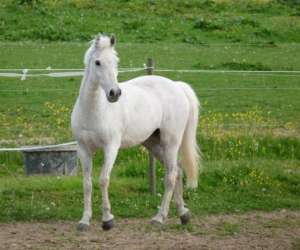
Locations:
(24, 73)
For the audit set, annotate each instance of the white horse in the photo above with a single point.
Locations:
(151, 110)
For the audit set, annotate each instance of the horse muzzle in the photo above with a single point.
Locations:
(114, 94)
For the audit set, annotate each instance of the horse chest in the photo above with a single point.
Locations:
(90, 129)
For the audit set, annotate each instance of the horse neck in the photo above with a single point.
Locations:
(89, 93)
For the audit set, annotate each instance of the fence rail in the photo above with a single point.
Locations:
(38, 147)
(208, 89)
(24, 73)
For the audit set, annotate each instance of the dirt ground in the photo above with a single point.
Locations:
(276, 230)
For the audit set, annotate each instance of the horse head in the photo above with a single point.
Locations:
(101, 62)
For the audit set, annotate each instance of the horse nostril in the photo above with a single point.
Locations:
(119, 92)
(112, 93)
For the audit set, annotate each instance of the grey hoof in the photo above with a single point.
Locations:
(107, 225)
(81, 227)
(185, 218)
(156, 223)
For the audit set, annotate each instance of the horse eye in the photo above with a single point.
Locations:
(97, 62)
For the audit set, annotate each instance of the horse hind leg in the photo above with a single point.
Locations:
(170, 162)
(153, 144)
(183, 212)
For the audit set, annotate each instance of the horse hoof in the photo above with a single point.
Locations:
(157, 219)
(157, 225)
(81, 227)
(156, 222)
(185, 218)
(107, 225)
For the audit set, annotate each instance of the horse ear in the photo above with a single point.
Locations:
(112, 40)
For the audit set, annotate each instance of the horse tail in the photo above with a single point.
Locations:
(189, 151)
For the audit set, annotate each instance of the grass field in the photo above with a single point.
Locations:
(189, 21)
(249, 124)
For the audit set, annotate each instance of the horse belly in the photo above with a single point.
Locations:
(140, 127)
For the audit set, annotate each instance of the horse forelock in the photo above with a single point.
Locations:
(101, 43)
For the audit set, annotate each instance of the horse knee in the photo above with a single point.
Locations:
(88, 186)
(104, 181)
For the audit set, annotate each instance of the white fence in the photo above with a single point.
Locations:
(24, 73)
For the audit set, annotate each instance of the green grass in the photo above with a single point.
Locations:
(193, 21)
(226, 229)
(225, 187)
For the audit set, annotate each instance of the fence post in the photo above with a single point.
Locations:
(152, 164)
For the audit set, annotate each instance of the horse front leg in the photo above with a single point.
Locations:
(110, 155)
(86, 162)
